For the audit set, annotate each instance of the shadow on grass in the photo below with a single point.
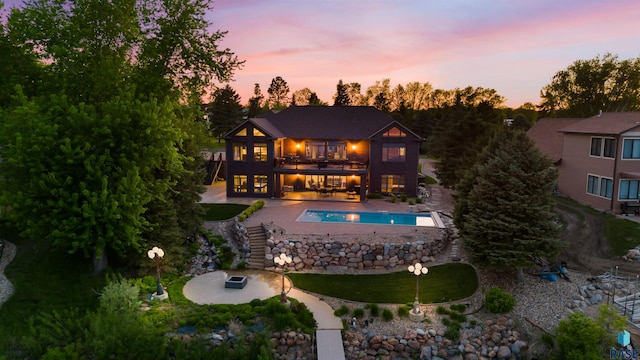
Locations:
(443, 283)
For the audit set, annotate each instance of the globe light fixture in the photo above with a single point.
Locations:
(156, 254)
(283, 260)
(417, 270)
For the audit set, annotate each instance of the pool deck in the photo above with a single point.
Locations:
(285, 212)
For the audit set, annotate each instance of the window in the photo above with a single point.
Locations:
(315, 150)
(240, 183)
(393, 152)
(609, 148)
(592, 184)
(337, 150)
(392, 184)
(606, 188)
(257, 132)
(260, 183)
(242, 132)
(394, 132)
(596, 146)
(604, 147)
(631, 149)
(260, 152)
(629, 189)
(240, 152)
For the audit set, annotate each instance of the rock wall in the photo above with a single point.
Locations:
(357, 252)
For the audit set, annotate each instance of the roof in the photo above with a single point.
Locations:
(330, 122)
(608, 123)
(547, 136)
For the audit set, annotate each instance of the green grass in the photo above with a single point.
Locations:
(216, 212)
(622, 234)
(448, 282)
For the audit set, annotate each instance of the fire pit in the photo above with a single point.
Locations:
(235, 282)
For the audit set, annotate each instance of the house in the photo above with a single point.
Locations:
(352, 150)
(599, 162)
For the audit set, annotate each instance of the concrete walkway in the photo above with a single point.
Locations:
(209, 289)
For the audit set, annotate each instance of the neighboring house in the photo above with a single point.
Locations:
(599, 164)
(329, 149)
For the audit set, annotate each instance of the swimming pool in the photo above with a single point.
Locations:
(367, 217)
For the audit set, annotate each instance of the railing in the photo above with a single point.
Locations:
(298, 163)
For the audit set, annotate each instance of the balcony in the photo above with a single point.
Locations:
(293, 162)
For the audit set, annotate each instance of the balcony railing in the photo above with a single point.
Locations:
(294, 162)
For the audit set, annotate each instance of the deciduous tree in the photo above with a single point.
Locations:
(586, 87)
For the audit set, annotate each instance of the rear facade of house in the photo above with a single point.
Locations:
(353, 150)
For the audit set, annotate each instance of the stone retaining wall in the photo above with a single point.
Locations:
(356, 252)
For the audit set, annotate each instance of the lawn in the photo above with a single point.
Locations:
(447, 282)
(217, 212)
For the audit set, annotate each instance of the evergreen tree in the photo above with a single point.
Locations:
(315, 101)
(255, 103)
(507, 213)
(342, 95)
(225, 112)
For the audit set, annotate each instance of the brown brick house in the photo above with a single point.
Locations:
(599, 162)
(351, 149)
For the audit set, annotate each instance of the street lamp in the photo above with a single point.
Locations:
(283, 260)
(157, 254)
(417, 270)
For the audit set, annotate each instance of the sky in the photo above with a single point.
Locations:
(512, 46)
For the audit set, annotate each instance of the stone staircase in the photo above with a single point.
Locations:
(257, 243)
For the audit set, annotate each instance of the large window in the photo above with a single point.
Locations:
(239, 152)
(600, 186)
(240, 183)
(315, 150)
(593, 183)
(393, 152)
(392, 184)
(631, 149)
(260, 152)
(629, 189)
(260, 183)
(257, 132)
(337, 150)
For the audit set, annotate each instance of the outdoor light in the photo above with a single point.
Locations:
(157, 254)
(353, 147)
(298, 146)
(417, 270)
(283, 260)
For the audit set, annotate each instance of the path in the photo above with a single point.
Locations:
(6, 288)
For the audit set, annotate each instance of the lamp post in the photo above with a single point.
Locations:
(156, 254)
(283, 260)
(417, 270)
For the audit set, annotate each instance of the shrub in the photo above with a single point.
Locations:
(374, 196)
(343, 310)
(358, 313)
(458, 317)
(498, 301)
(403, 197)
(453, 331)
(419, 200)
(403, 311)
(411, 202)
(446, 321)
(374, 310)
(441, 310)
(458, 307)
(242, 265)
(393, 199)
(387, 315)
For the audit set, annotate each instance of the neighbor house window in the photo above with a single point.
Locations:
(609, 150)
(239, 152)
(393, 152)
(596, 146)
(606, 188)
(629, 189)
(392, 184)
(631, 149)
(240, 183)
(260, 152)
(394, 132)
(260, 183)
(593, 183)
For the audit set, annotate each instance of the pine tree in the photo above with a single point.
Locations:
(508, 217)
(342, 95)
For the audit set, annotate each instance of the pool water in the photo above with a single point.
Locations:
(367, 217)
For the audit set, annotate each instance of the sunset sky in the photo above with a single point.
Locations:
(512, 46)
